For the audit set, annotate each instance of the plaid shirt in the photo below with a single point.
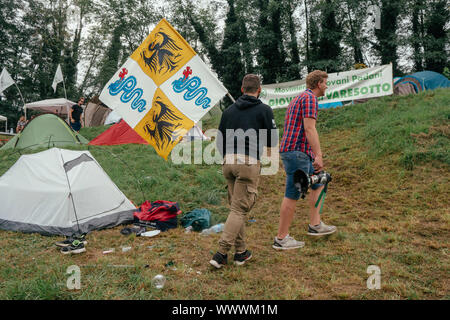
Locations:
(294, 138)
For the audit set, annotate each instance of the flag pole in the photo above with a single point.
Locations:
(231, 97)
(64, 85)
(23, 107)
(65, 94)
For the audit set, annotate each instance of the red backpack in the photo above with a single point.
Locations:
(158, 210)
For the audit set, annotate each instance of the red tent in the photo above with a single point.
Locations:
(120, 133)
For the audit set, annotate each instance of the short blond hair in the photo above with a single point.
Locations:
(314, 77)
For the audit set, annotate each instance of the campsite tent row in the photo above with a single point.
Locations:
(94, 114)
(60, 192)
(48, 130)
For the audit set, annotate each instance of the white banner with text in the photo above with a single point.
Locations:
(342, 86)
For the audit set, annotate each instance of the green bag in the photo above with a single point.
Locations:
(199, 219)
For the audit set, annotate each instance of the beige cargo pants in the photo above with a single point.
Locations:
(242, 177)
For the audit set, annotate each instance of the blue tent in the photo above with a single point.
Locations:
(419, 81)
(330, 105)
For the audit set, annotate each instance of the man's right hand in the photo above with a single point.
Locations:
(71, 120)
(318, 163)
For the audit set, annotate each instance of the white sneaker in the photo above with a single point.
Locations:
(287, 243)
(320, 230)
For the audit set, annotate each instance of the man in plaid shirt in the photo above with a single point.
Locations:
(300, 149)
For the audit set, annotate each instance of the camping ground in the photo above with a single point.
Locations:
(389, 198)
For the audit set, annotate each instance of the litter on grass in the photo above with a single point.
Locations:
(151, 233)
(159, 281)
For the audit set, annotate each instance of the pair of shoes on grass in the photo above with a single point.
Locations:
(290, 243)
(73, 244)
(219, 260)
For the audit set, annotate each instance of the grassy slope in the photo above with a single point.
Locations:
(389, 198)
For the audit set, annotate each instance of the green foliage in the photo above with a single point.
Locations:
(293, 69)
(387, 34)
(417, 36)
(124, 26)
(90, 39)
(12, 50)
(271, 55)
(437, 38)
(330, 37)
(446, 72)
(233, 61)
(353, 14)
(111, 61)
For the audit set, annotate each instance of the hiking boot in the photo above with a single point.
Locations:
(240, 258)
(76, 247)
(321, 229)
(287, 243)
(218, 260)
(69, 240)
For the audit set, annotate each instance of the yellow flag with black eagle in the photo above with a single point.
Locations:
(163, 89)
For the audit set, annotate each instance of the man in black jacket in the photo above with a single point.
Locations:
(245, 128)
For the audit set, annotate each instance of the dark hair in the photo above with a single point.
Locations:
(251, 83)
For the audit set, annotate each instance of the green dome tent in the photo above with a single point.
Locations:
(46, 130)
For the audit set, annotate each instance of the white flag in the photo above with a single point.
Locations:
(163, 89)
(5, 80)
(58, 78)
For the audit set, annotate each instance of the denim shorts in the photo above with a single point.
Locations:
(293, 161)
(76, 126)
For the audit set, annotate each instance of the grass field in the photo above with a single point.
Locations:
(389, 198)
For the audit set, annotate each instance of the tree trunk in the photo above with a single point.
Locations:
(307, 38)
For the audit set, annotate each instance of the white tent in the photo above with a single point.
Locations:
(113, 117)
(60, 106)
(2, 118)
(195, 134)
(60, 192)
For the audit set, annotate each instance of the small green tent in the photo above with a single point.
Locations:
(46, 130)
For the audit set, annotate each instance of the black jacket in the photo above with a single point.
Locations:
(250, 115)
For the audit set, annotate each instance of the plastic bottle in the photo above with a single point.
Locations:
(158, 281)
(214, 229)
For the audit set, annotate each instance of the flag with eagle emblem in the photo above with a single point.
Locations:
(163, 89)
